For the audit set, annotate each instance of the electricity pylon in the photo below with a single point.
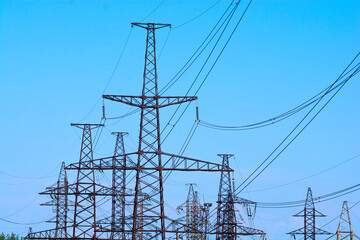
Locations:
(344, 230)
(84, 190)
(84, 225)
(59, 201)
(309, 214)
(150, 220)
(118, 183)
(227, 227)
(195, 215)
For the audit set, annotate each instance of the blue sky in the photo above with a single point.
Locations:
(57, 57)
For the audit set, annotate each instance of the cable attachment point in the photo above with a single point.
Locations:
(197, 112)
(103, 111)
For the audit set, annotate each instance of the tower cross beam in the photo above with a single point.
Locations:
(149, 101)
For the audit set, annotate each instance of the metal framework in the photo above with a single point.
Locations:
(118, 184)
(151, 160)
(85, 199)
(118, 202)
(344, 230)
(59, 201)
(195, 215)
(147, 219)
(227, 228)
(309, 214)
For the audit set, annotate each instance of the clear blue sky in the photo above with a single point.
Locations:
(56, 58)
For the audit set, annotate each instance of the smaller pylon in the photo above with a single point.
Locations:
(59, 200)
(227, 227)
(118, 184)
(195, 218)
(345, 230)
(309, 213)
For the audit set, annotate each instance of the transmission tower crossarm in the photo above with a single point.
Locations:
(100, 190)
(82, 125)
(48, 234)
(152, 25)
(148, 101)
(172, 163)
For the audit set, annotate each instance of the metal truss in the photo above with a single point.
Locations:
(227, 227)
(195, 215)
(345, 229)
(84, 225)
(309, 214)
(60, 203)
(147, 219)
(150, 221)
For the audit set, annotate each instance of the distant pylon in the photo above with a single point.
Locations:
(309, 213)
(84, 225)
(345, 230)
(118, 184)
(59, 201)
(195, 213)
(227, 227)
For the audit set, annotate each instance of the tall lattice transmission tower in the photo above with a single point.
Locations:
(195, 215)
(309, 231)
(148, 219)
(227, 227)
(345, 230)
(60, 203)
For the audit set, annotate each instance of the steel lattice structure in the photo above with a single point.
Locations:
(309, 214)
(60, 203)
(118, 183)
(344, 230)
(85, 187)
(227, 227)
(148, 219)
(195, 215)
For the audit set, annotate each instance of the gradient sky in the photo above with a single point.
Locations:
(57, 57)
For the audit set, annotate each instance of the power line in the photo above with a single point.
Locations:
(227, 21)
(18, 223)
(294, 129)
(111, 76)
(154, 10)
(27, 205)
(197, 16)
(275, 119)
(323, 198)
(304, 178)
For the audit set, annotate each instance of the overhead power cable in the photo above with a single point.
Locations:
(196, 17)
(19, 223)
(111, 77)
(267, 161)
(225, 24)
(154, 10)
(277, 118)
(323, 198)
(304, 178)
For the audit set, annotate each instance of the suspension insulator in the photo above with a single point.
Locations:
(103, 110)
